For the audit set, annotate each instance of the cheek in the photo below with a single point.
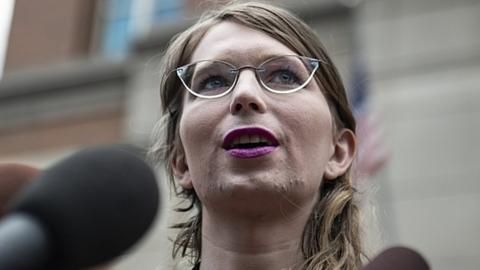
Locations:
(194, 123)
(311, 124)
(193, 128)
(197, 131)
(310, 137)
(193, 133)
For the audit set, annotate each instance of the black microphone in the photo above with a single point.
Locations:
(83, 211)
(398, 258)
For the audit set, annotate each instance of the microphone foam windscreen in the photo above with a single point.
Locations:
(398, 258)
(94, 204)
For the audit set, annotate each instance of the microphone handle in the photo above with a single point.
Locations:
(24, 244)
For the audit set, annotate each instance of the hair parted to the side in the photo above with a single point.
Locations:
(331, 238)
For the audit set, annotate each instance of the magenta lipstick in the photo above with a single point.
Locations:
(249, 142)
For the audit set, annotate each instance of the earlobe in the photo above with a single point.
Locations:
(342, 157)
(181, 173)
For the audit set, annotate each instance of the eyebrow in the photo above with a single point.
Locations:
(252, 56)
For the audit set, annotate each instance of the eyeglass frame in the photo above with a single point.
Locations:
(237, 71)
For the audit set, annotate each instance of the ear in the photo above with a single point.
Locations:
(342, 156)
(181, 174)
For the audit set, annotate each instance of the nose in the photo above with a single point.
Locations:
(248, 95)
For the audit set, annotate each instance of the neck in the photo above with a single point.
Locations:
(251, 243)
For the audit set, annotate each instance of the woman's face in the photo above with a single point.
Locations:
(285, 175)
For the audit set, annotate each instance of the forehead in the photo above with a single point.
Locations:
(238, 44)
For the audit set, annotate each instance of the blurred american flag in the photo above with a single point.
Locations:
(371, 151)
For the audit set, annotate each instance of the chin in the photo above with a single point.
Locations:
(255, 195)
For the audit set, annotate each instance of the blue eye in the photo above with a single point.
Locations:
(214, 83)
(283, 77)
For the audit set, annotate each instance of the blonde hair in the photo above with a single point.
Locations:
(331, 238)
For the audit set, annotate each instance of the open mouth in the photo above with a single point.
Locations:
(251, 141)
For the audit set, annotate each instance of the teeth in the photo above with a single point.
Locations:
(254, 138)
(236, 141)
(244, 139)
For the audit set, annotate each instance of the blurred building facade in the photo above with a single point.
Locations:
(83, 72)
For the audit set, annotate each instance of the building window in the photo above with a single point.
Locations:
(126, 20)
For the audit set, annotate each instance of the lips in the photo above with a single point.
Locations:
(249, 142)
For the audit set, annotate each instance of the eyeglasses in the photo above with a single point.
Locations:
(280, 74)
